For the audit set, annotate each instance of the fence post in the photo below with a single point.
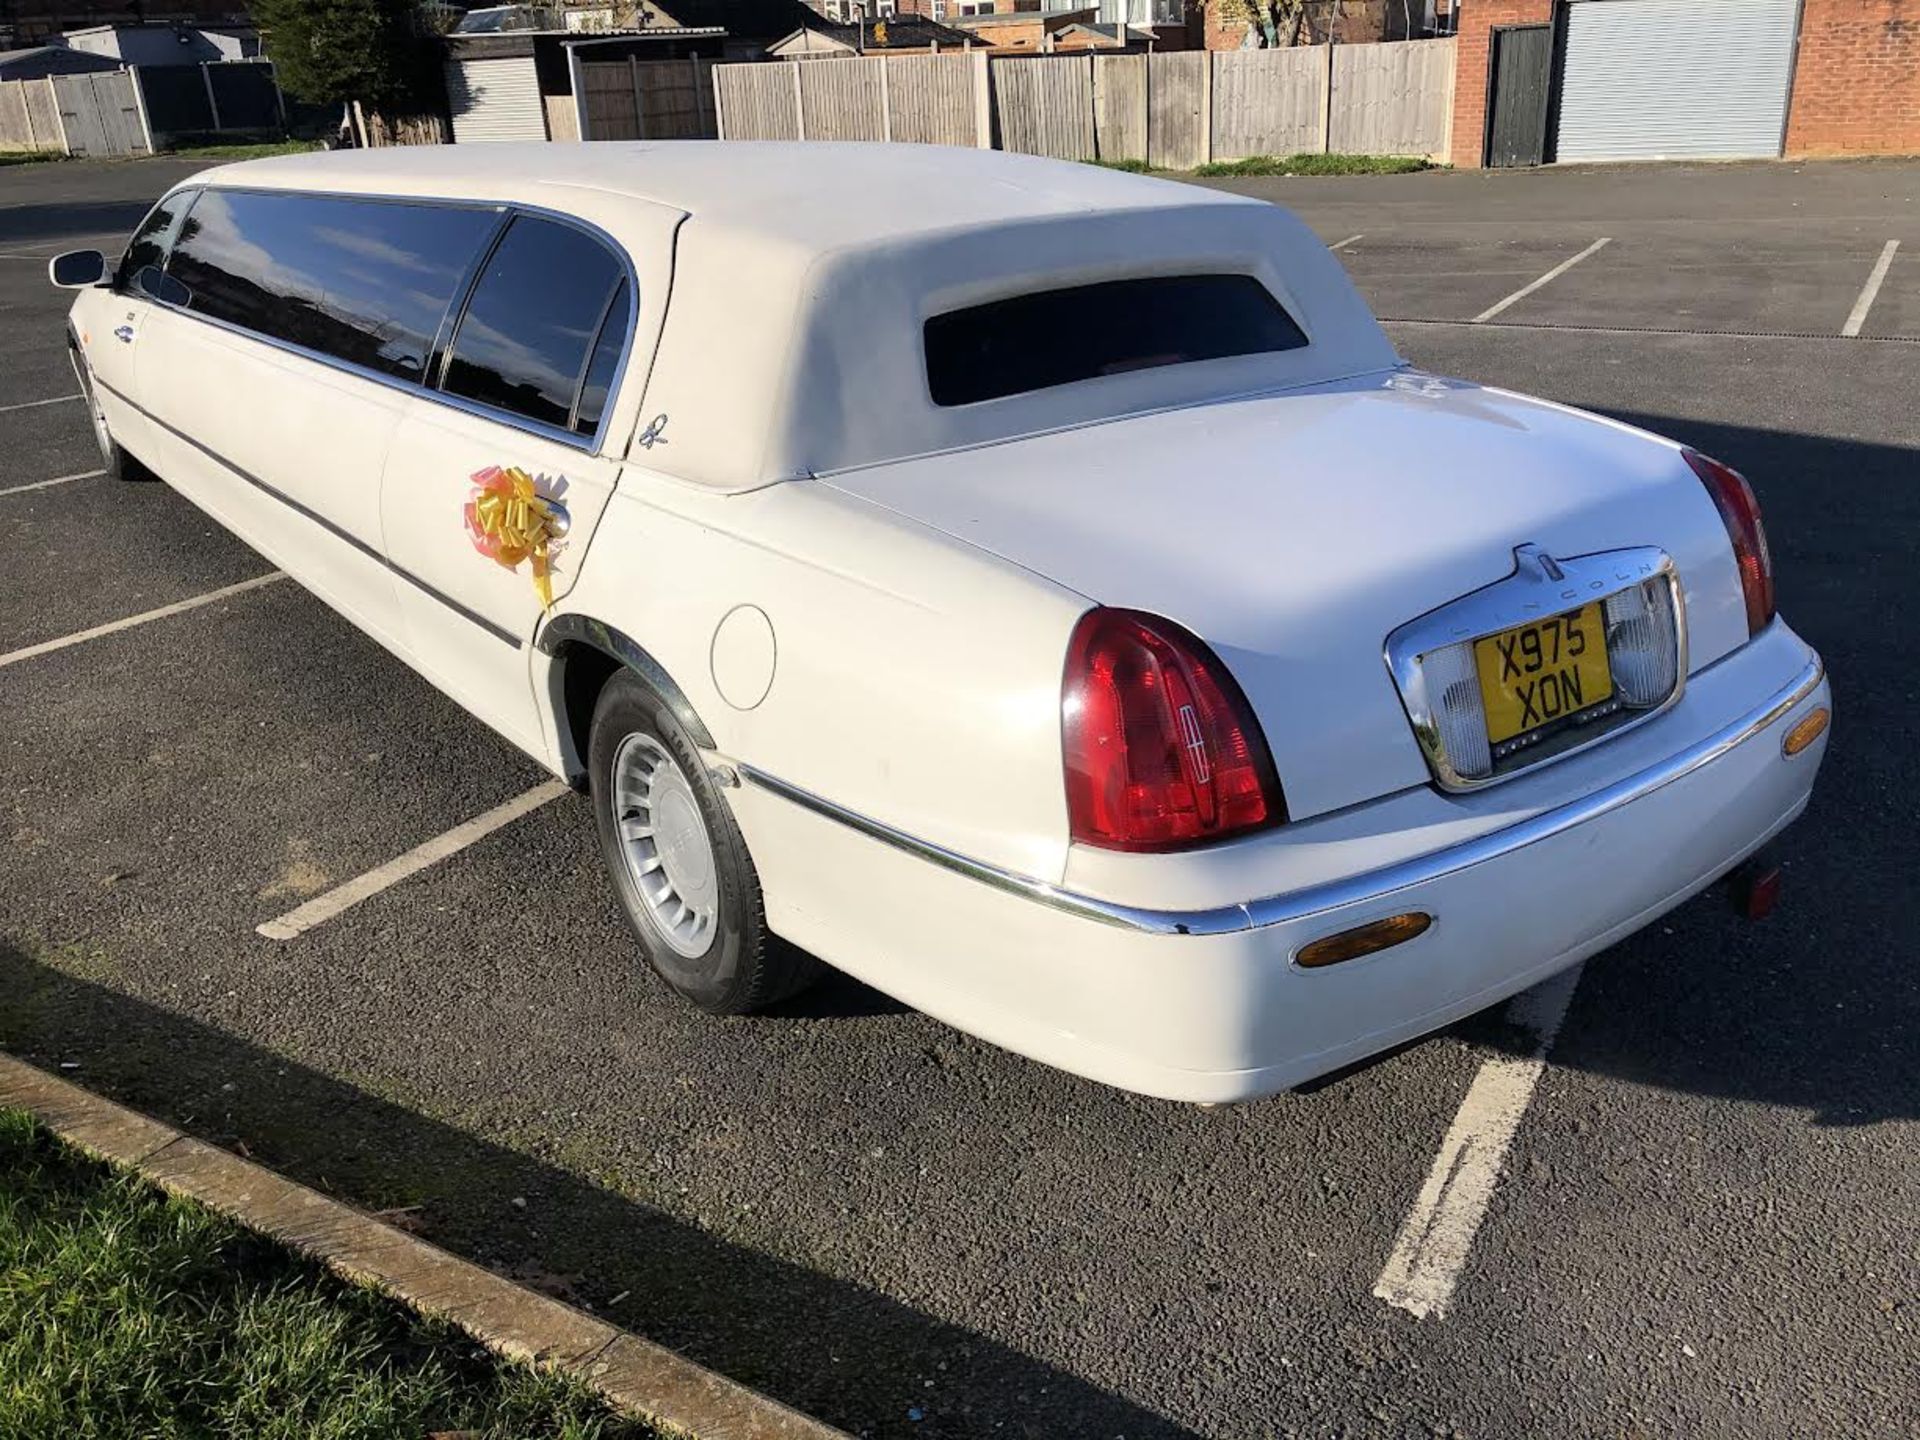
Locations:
(1326, 96)
(577, 83)
(799, 109)
(982, 101)
(719, 110)
(140, 106)
(1206, 107)
(886, 104)
(26, 113)
(639, 105)
(59, 120)
(213, 105)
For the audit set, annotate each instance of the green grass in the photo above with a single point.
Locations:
(28, 157)
(1317, 165)
(124, 1312)
(221, 154)
(1132, 167)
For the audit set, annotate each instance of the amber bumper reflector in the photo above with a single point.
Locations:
(1363, 940)
(1806, 731)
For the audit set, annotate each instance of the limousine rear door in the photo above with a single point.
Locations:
(527, 394)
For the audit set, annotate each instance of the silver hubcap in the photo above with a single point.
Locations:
(664, 844)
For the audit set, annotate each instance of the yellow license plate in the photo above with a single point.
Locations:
(1543, 671)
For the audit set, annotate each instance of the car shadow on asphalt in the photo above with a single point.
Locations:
(840, 1352)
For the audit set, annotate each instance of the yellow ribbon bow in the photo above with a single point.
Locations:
(509, 520)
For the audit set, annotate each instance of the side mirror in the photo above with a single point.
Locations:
(77, 269)
(156, 284)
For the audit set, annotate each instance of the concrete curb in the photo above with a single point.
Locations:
(633, 1375)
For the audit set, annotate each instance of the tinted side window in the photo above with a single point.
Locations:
(367, 281)
(536, 311)
(1055, 337)
(604, 362)
(149, 243)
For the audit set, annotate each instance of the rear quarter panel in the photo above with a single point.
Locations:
(915, 679)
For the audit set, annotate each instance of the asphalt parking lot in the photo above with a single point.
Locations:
(1698, 1221)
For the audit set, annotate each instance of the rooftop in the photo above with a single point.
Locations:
(814, 195)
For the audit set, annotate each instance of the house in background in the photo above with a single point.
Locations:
(26, 23)
(40, 61)
(169, 44)
(1042, 27)
(901, 35)
(1255, 25)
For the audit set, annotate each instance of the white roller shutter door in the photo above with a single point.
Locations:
(495, 100)
(1657, 79)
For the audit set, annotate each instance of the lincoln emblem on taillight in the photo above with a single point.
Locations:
(1196, 744)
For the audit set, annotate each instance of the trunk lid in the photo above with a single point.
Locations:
(1292, 532)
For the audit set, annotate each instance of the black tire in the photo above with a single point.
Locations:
(742, 968)
(118, 463)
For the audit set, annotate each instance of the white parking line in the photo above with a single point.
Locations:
(323, 908)
(48, 484)
(1420, 1274)
(36, 404)
(114, 627)
(1525, 290)
(1348, 241)
(1870, 291)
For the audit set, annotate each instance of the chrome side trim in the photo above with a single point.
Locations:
(1332, 894)
(505, 636)
(1128, 917)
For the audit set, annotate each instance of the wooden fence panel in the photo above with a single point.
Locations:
(43, 113)
(676, 98)
(842, 99)
(1177, 116)
(1392, 99)
(1269, 102)
(1045, 106)
(612, 107)
(758, 102)
(80, 117)
(18, 121)
(1120, 107)
(930, 98)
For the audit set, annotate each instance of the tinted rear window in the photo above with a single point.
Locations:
(524, 343)
(1056, 337)
(364, 281)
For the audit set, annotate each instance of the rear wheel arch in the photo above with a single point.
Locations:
(586, 654)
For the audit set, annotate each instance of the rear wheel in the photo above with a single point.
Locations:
(114, 459)
(679, 863)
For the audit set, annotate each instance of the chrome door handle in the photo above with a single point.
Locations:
(124, 332)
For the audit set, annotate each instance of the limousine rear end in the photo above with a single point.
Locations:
(1041, 592)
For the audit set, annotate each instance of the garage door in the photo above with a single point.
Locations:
(1651, 79)
(495, 100)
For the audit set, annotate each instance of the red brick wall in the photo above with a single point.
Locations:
(1856, 83)
(1477, 19)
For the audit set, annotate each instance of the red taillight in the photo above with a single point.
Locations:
(1741, 512)
(1162, 750)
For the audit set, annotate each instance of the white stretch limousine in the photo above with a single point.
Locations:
(1038, 591)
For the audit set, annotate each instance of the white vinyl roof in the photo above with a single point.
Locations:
(804, 273)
